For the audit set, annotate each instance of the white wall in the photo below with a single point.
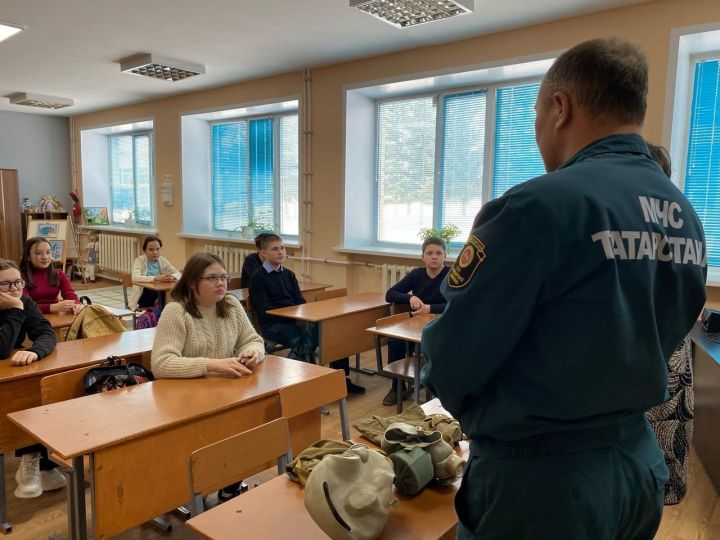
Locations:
(38, 146)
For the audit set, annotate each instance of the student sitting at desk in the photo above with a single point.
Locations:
(251, 263)
(50, 290)
(420, 289)
(20, 318)
(151, 266)
(205, 331)
(274, 286)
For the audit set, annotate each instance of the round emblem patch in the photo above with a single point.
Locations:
(466, 257)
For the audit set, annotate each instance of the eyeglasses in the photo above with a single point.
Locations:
(215, 279)
(5, 286)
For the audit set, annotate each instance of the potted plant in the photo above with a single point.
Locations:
(446, 232)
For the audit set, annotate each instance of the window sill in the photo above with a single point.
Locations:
(713, 277)
(245, 242)
(395, 252)
(116, 228)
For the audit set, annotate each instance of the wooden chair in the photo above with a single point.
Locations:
(232, 459)
(403, 369)
(127, 283)
(299, 399)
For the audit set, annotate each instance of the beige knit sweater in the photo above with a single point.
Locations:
(183, 344)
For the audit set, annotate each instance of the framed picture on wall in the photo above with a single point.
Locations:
(95, 215)
(57, 249)
(47, 230)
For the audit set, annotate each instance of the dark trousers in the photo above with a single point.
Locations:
(45, 463)
(607, 493)
(147, 298)
(301, 342)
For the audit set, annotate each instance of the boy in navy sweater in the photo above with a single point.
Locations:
(251, 263)
(420, 289)
(274, 286)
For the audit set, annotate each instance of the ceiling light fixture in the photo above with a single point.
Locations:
(8, 30)
(38, 100)
(404, 13)
(149, 65)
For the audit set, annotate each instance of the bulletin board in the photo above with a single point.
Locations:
(61, 235)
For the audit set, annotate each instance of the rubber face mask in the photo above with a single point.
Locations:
(348, 495)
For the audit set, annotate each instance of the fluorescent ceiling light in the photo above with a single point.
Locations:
(155, 67)
(404, 13)
(38, 100)
(8, 30)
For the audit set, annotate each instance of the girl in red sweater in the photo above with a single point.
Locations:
(51, 290)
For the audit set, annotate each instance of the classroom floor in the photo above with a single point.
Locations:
(696, 518)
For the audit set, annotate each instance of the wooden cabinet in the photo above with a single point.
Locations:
(10, 233)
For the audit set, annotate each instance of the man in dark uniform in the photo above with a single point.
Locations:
(573, 290)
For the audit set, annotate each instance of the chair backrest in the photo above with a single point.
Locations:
(312, 395)
(392, 319)
(232, 459)
(333, 293)
(63, 386)
(399, 308)
(127, 283)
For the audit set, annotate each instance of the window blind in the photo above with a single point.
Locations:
(405, 168)
(289, 172)
(229, 175)
(262, 173)
(142, 175)
(702, 173)
(517, 157)
(463, 151)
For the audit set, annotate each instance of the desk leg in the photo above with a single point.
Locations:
(5, 525)
(378, 353)
(71, 500)
(161, 300)
(79, 517)
(416, 390)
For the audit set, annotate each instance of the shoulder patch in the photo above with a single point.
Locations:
(471, 256)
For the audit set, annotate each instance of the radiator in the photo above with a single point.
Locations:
(116, 252)
(392, 273)
(233, 256)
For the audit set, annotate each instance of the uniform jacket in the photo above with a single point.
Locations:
(571, 294)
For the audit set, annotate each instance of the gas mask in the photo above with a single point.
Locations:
(348, 495)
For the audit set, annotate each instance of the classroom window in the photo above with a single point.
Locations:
(702, 166)
(434, 165)
(131, 178)
(254, 174)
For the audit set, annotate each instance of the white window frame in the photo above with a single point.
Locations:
(488, 158)
(151, 167)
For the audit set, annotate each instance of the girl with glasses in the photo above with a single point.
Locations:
(150, 266)
(205, 331)
(51, 290)
(20, 319)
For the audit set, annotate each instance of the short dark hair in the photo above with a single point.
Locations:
(661, 157)
(258, 239)
(268, 239)
(608, 77)
(6, 264)
(434, 241)
(191, 274)
(149, 239)
(27, 267)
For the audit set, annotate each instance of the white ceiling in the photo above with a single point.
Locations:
(70, 48)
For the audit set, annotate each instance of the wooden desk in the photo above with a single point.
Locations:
(20, 385)
(306, 287)
(276, 509)
(162, 287)
(64, 320)
(139, 438)
(341, 321)
(408, 329)
(706, 386)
